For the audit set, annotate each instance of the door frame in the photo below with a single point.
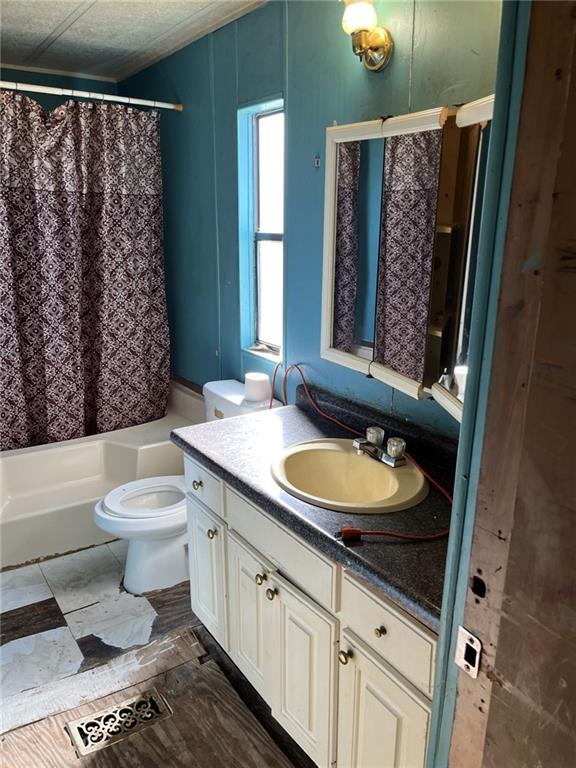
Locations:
(521, 551)
(514, 29)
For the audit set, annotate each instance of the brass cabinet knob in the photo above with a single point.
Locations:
(260, 578)
(344, 657)
(197, 484)
(211, 533)
(380, 631)
(271, 593)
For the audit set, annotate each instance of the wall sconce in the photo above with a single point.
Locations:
(372, 44)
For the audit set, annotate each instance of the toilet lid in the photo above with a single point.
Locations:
(150, 497)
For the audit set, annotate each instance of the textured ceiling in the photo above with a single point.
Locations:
(106, 38)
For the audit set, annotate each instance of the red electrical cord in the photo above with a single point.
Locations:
(313, 403)
(349, 533)
(278, 365)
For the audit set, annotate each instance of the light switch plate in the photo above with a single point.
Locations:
(468, 651)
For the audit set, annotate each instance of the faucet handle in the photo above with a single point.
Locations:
(375, 435)
(395, 447)
(358, 444)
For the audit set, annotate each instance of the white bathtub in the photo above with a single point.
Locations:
(47, 492)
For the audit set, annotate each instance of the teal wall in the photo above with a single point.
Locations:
(296, 50)
(48, 101)
(369, 215)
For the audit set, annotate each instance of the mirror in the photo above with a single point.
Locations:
(454, 362)
(402, 204)
(357, 242)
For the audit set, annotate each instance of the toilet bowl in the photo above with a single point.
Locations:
(151, 515)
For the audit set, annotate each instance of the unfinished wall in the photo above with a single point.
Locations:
(521, 712)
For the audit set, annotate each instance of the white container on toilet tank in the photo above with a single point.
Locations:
(227, 398)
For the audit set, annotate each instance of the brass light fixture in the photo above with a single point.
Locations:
(372, 44)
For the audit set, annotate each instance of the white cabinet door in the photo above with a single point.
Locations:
(248, 578)
(207, 576)
(302, 640)
(382, 720)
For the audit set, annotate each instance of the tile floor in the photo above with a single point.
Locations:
(67, 614)
(71, 635)
(22, 586)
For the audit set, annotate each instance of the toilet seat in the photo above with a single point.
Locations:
(152, 497)
(151, 514)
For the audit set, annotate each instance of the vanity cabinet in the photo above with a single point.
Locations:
(283, 642)
(302, 644)
(382, 720)
(286, 614)
(203, 486)
(207, 569)
(248, 580)
(315, 574)
(387, 630)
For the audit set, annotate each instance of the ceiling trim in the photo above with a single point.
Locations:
(60, 72)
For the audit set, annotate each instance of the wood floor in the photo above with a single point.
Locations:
(211, 727)
(126, 670)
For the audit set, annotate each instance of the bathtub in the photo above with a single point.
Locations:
(47, 492)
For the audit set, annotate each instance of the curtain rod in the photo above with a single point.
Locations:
(88, 95)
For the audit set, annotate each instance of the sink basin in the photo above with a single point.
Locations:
(330, 474)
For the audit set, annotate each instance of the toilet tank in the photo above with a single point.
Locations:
(226, 398)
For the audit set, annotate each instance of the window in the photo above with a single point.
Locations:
(261, 193)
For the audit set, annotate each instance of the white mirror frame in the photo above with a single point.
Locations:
(431, 119)
(472, 113)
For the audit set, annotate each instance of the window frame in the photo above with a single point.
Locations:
(250, 234)
(259, 234)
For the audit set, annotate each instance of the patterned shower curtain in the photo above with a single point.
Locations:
(408, 230)
(83, 329)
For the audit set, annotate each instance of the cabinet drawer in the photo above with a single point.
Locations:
(406, 645)
(202, 485)
(313, 573)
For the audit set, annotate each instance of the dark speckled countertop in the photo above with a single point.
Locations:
(241, 449)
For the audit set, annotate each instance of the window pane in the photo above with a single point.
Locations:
(270, 292)
(271, 172)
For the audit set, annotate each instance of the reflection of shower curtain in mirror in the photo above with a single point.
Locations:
(408, 228)
(84, 336)
(346, 256)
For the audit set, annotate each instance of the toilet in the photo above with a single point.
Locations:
(151, 513)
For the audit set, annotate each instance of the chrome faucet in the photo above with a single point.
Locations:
(372, 445)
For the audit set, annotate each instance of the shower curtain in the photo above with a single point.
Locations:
(83, 329)
(407, 235)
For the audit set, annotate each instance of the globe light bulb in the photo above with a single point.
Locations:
(359, 16)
